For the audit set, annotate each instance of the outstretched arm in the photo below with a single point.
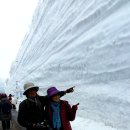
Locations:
(69, 90)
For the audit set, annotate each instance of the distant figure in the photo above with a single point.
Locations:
(31, 110)
(10, 97)
(5, 111)
(58, 112)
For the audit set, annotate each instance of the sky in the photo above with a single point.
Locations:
(15, 18)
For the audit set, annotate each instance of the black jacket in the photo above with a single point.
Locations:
(29, 113)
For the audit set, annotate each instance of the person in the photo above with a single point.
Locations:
(31, 110)
(10, 97)
(58, 112)
(5, 111)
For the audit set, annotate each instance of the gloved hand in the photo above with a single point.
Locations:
(70, 90)
(75, 107)
(40, 125)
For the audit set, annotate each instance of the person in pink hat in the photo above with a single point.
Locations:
(58, 112)
(5, 111)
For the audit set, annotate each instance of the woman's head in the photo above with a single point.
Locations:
(54, 94)
(3, 95)
(55, 98)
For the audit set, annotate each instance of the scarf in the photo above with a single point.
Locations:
(35, 100)
(56, 115)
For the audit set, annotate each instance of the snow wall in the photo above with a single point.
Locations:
(85, 43)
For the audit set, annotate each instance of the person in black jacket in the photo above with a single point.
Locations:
(31, 110)
(10, 99)
(5, 111)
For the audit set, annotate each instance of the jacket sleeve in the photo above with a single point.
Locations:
(62, 93)
(71, 113)
(22, 119)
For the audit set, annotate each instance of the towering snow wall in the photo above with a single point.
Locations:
(85, 43)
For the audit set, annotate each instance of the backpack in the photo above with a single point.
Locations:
(6, 108)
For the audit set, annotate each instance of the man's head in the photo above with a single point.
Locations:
(30, 90)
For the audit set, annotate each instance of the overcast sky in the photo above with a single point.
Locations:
(15, 18)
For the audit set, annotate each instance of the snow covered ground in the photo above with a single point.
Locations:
(85, 43)
(87, 124)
